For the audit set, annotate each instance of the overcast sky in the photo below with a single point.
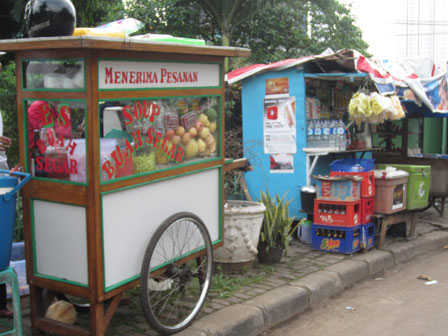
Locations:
(375, 18)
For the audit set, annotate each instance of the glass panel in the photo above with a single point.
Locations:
(388, 136)
(56, 139)
(65, 74)
(415, 136)
(140, 136)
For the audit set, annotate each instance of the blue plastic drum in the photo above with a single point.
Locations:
(9, 186)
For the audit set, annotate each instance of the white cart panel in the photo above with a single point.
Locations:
(131, 216)
(60, 241)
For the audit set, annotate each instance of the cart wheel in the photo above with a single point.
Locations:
(81, 305)
(176, 273)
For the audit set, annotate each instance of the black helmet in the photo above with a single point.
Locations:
(50, 18)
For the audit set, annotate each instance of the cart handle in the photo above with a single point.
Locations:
(7, 197)
(240, 164)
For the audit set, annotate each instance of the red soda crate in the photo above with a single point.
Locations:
(334, 213)
(367, 183)
(338, 188)
(367, 209)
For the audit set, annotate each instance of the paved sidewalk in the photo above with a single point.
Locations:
(302, 280)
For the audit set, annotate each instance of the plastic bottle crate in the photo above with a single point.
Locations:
(352, 165)
(333, 213)
(367, 183)
(368, 236)
(338, 188)
(336, 239)
(367, 209)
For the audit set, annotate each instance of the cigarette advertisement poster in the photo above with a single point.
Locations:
(280, 125)
(281, 163)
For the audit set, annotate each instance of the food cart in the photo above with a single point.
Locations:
(124, 138)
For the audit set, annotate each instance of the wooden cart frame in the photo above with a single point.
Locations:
(103, 300)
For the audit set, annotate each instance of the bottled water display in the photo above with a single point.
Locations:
(326, 134)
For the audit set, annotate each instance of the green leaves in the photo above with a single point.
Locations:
(277, 228)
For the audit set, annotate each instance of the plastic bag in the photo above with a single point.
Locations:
(127, 26)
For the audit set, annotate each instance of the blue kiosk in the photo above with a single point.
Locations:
(278, 102)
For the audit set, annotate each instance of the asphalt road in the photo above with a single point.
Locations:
(395, 303)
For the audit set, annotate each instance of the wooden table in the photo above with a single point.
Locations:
(384, 221)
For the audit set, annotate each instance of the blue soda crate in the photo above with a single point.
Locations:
(368, 235)
(352, 165)
(336, 239)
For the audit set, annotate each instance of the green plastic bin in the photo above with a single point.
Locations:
(418, 183)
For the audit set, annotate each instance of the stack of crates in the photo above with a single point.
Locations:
(337, 212)
(363, 168)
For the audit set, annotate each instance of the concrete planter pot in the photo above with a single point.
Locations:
(242, 224)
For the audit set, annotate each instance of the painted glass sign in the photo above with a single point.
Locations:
(145, 135)
(56, 139)
(113, 74)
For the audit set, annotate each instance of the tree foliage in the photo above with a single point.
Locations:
(8, 108)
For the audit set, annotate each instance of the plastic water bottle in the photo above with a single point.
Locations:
(334, 134)
(326, 134)
(318, 134)
(310, 134)
(341, 136)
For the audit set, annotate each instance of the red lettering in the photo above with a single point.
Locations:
(139, 77)
(132, 79)
(117, 77)
(150, 137)
(146, 107)
(163, 73)
(138, 110)
(157, 140)
(73, 167)
(56, 167)
(172, 151)
(47, 165)
(108, 168)
(39, 163)
(64, 115)
(179, 154)
(41, 145)
(127, 115)
(118, 157)
(165, 147)
(60, 142)
(129, 148)
(138, 143)
(108, 78)
(50, 138)
(124, 76)
(72, 145)
(155, 112)
(47, 119)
